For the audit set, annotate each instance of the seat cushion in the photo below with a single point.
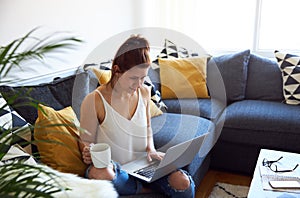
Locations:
(206, 108)
(263, 123)
(170, 129)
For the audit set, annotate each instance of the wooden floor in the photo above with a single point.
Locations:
(213, 176)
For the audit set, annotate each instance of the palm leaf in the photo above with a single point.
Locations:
(11, 57)
(22, 180)
(18, 179)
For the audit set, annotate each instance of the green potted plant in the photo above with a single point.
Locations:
(18, 179)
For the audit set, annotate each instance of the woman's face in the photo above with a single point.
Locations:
(132, 79)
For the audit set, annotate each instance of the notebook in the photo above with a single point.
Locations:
(175, 157)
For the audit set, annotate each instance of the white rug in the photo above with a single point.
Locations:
(77, 186)
(223, 190)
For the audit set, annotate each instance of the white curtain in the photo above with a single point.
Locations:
(217, 25)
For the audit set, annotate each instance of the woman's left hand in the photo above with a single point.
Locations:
(155, 155)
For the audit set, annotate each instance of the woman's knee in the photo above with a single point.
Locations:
(179, 180)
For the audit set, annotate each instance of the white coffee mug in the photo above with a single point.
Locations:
(101, 155)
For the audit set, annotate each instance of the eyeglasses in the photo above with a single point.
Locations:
(273, 167)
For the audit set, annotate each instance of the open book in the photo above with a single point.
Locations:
(284, 164)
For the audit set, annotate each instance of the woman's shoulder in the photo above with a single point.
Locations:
(93, 100)
(94, 94)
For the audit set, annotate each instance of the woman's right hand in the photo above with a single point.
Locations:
(86, 155)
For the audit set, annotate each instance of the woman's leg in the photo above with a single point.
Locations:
(177, 184)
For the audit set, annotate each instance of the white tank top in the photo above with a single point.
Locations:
(127, 138)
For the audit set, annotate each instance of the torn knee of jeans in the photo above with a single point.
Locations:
(182, 186)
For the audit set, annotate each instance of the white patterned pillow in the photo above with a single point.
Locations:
(171, 50)
(290, 68)
(155, 95)
(11, 121)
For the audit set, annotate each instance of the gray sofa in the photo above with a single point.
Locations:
(244, 114)
(260, 119)
(255, 115)
(169, 129)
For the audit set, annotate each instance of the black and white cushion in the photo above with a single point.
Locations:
(155, 95)
(11, 121)
(290, 68)
(171, 50)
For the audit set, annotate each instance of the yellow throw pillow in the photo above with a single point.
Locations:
(57, 139)
(183, 78)
(104, 76)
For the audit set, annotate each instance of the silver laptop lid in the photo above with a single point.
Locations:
(176, 157)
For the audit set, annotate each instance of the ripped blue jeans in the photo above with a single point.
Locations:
(128, 185)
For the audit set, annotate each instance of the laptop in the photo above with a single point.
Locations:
(175, 157)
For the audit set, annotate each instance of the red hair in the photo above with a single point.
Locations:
(133, 52)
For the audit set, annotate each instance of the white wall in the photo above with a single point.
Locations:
(92, 20)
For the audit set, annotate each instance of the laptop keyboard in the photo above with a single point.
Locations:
(147, 171)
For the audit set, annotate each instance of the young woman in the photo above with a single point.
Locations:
(118, 113)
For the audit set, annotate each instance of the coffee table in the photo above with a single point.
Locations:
(256, 188)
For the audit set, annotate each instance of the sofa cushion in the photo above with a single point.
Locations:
(18, 128)
(59, 93)
(170, 129)
(233, 70)
(183, 77)
(57, 136)
(155, 78)
(155, 94)
(171, 50)
(103, 75)
(263, 116)
(206, 108)
(84, 83)
(264, 81)
(290, 68)
(251, 125)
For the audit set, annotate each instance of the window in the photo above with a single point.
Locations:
(279, 25)
(231, 25)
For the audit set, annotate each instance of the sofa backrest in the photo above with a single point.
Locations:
(264, 80)
(58, 94)
(231, 68)
(245, 76)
